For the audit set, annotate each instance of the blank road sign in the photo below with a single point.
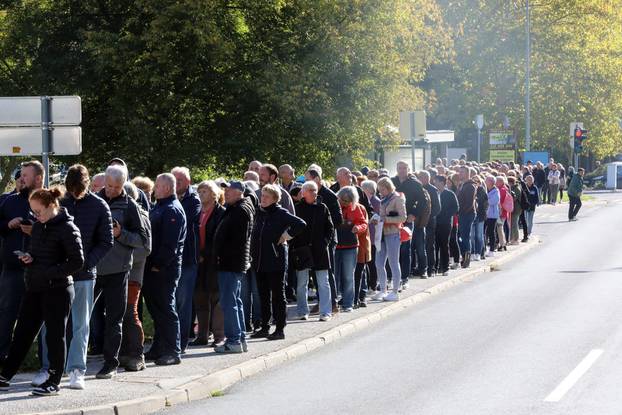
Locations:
(27, 141)
(66, 110)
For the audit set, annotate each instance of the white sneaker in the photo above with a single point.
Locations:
(303, 317)
(475, 257)
(76, 379)
(325, 317)
(490, 253)
(392, 296)
(455, 265)
(405, 285)
(378, 296)
(40, 378)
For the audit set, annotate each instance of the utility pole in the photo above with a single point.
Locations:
(527, 81)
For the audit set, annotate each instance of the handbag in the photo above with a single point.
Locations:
(302, 257)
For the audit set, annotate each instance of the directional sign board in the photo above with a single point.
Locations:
(66, 110)
(26, 141)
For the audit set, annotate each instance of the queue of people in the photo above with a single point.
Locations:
(217, 263)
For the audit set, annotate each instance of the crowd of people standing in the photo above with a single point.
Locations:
(218, 262)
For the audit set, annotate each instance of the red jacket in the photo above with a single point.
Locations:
(353, 215)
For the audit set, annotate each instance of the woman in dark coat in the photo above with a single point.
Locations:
(55, 254)
(310, 251)
(273, 227)
(206, 295)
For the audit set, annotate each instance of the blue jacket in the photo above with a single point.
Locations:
(192, 209)
(270, 223)
(92, 216)
(16, 205)
(168, 233)
(494, 198)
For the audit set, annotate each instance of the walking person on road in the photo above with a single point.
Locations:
(54, 254)
(575, 189)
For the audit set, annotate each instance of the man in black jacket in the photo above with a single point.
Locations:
(15, 234)
(449, 207)
(430, 228)
(232, 243)
(415, 204)
(163, 271)
(185, 289)
(92, 217)
(113, 270)
(326, 196)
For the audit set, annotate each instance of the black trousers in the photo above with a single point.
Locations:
(271, 287)
(372, 272)
(490, 232)
(360, 272)
(575, 205)
(114, 289)
(522, 223)
(454, 248)
(51, 307)
(430, 245)
(443, 230)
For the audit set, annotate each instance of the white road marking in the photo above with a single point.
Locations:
(574, 376)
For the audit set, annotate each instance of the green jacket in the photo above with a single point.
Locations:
(575, 188)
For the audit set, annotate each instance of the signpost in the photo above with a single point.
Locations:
(479, 123)
(502, 146)
(40, 125)
(412, 128)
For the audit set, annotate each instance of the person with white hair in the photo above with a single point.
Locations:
(114, 269)
(163, 271)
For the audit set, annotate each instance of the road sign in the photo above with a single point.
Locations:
(14, 111)
(412, 125)
(26, 141)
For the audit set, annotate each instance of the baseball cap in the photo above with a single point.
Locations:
(234, 184)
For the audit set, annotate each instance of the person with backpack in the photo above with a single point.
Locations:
(131, 356)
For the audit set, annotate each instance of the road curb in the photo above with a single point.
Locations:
(215, 383)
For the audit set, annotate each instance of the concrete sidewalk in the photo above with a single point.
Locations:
(203, 372)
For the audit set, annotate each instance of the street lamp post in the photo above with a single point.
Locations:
(479, 122)
(527, 81)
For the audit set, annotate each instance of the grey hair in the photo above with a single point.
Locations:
(118, 173)
(273, 190)
(348, 194)
(309, 185)
(316, 168)
(424, 173)
(131, 190)
(98, 176)
(168, 177)
(183, 170)
(369, 186)
(343, 170)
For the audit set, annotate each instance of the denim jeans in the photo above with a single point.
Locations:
(323, 288)
(249, 292)
(183, 301)
(465, 221)
(345, 262)
(159, 293)
(11, 291)
(529, 218)
(80, 319)
(229, 285)
(419, 241)
(390, 249)
(477, 237)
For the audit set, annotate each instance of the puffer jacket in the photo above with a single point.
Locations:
(270, 223)
(393, 213)
(318, 233)
(232, 238)
(56, 249)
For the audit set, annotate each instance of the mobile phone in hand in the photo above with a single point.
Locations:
(20, 253)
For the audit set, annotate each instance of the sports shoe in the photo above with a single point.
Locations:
(490, 254)
(392, 296)
(303, 317)
(4, 384)
(135, 364)
(347, 309)
(46, 389)
(475, 258)
(445, 273)
(76, 379)
(229, 348)
(378, 296)
(40, 378)
(106, 372)
(325, 317)
(261, 334)
(168, 360)
(455, 265)
(405, 285)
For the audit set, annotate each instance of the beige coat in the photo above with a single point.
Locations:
(392, 223)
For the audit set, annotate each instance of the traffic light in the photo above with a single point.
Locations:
(579, 136)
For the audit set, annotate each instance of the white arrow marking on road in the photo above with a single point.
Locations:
(574, 376)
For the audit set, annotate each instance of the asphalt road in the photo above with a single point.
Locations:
(541, 336)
